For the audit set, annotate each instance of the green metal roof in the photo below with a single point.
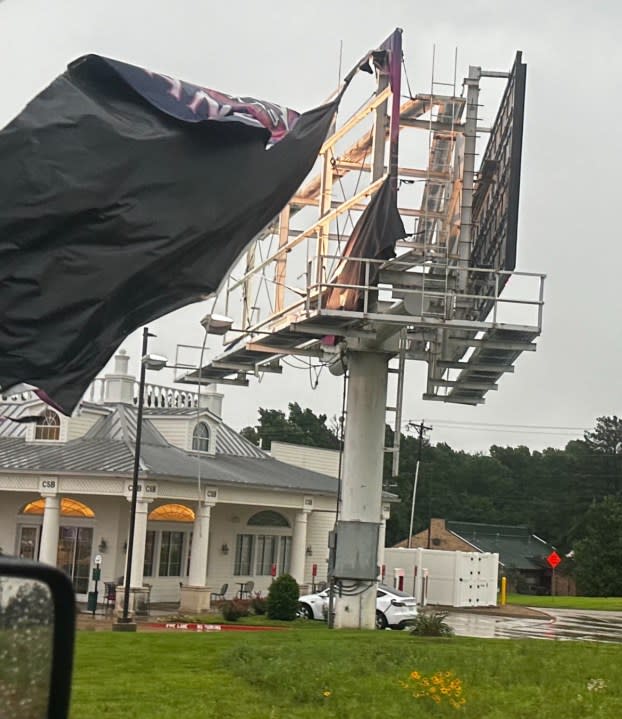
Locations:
(517, 547)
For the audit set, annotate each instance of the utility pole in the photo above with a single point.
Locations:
(421, 429)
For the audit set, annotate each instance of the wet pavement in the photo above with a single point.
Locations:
(557, 624)
(565, 625)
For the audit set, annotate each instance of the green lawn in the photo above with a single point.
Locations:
(612, 604)
(295, 674)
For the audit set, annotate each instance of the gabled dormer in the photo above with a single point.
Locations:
(206, 423)
(51, 426)
(202, 432)
(35, 421)
(193, 429)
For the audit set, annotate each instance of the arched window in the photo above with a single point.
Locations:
(268, 518)
(68, 508)
(200, 437)
(172, 513)
(48, 425)
(167, 550)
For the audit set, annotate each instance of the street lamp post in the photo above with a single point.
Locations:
(125, 619)
(153, 362)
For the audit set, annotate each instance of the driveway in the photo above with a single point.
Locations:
(562, 624)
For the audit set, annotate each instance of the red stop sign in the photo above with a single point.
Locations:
(553, 559)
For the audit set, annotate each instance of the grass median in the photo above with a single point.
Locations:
(611, 604)
(304, 673)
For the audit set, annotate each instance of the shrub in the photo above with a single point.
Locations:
(259, 605)
(431, 624)
(233, 610)
(283, 598)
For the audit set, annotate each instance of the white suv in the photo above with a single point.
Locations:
(393, 607)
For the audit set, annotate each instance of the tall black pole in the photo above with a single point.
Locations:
(139, 428)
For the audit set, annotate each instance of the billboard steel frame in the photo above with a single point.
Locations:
(440, 300)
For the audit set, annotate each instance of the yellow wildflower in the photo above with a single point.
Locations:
(326, 693)
(440, 687)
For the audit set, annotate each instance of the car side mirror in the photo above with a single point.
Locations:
(37, 628)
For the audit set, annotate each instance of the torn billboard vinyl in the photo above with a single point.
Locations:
(373, 238)
(125, 195)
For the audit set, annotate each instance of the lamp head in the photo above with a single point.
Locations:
(216, 324)
(154, 362)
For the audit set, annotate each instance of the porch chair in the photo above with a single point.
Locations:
(247, 589)
(145, 606)
(110, 594)
(219, 596)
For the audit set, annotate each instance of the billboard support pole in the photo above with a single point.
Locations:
(363, 456)
(361, 494)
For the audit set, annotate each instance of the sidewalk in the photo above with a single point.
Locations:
(105, 618)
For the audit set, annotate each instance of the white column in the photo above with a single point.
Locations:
(49, 531)
(197, 576)
(361, 495)
(299, 547)
(140, 538)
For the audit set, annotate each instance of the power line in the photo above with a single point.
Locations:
(499, 424)
(507, 431)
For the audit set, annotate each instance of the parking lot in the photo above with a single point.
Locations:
(561, 624)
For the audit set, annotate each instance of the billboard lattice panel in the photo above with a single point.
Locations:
(496, 196)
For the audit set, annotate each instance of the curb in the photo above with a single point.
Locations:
(196, 627)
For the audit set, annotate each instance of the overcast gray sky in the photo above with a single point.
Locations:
(289, 54)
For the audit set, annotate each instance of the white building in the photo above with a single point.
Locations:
(212, 508)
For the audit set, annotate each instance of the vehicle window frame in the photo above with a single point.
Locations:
(63, 598)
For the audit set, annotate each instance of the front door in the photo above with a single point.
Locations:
(28, 541)
(285, 550)
(74, 555)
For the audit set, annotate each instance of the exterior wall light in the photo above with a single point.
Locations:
(225, 548)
